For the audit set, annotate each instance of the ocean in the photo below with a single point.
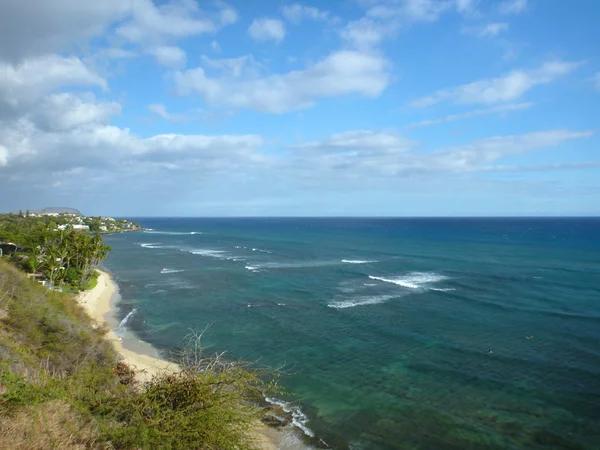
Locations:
(393, 333)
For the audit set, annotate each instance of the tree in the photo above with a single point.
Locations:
(34, 261)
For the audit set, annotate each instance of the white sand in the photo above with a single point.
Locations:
(99, 302)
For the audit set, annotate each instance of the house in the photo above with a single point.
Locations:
(80, 227)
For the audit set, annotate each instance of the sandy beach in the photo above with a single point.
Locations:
(100, 305)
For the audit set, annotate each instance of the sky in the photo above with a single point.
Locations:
(319, 108)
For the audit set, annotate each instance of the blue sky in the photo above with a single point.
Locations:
(350, 107)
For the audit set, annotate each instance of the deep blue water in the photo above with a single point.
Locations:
(396, 333)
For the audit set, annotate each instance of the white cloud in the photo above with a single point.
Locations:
(3, 156)
(383, 18)
(242, 66)
(467, 7)
(471, 157)
(512, 6)
(363, 155)
(501, 109)
(359, 140)
(489, 30)
(169, 55)
(176, 19)
(509, 87)
(364, 33)
(33, 27)
(26, 82)
(267, 29)
(118, 53)
(214, 45)
(159, 109)
(66, 111)
(340, 73)
(227, 15)
(295, 13)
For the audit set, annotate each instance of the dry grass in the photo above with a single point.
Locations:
(52, 425)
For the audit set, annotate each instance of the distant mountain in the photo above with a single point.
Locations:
(58, 210)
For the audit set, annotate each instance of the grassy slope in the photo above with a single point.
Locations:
(61, 385)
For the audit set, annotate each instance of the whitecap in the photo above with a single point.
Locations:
(220, 254)
(126, 319)
(361, 301)
(413, 280)
(172, 233)
(358, 261)
(253, 268)
(151, 245)
(299, 419)
(443, 289)
(165, 270)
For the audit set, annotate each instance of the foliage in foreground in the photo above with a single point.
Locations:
(59, 376)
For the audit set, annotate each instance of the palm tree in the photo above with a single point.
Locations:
(34, 261)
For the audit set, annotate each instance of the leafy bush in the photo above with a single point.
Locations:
(57, 370)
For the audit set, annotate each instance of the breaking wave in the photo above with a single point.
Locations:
(413, 280)
(126, 319)
(361, 301)
(152, 245)
(172, 233)
(357, 261)
(220, 254)
(165, 270)
(299, 419)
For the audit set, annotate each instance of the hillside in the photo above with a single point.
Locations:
(62, 384)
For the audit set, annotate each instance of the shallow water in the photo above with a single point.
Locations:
(395, 333)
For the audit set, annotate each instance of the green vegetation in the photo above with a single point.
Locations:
(62, 385)
(39, 246)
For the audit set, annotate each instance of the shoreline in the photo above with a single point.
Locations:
(100, 304)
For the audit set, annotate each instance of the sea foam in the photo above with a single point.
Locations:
(358, 261)
(151, 245)
(165, 270)
(413, 280)
(172, 233)
(361, 301)
(126, 319)
(299, 419)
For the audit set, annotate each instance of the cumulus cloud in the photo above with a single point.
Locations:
(176, 19)
(384, 18)
(161, 110)
(267, 29)
(295, 13)
(26, 82)
(365, 32)
(340, 73)
(33, 27)
(169, 55)
(512, 6)
(509, 87)
(489, 30)
(66, 111)
(118, 53)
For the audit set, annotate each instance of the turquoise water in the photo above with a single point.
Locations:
(395, 333)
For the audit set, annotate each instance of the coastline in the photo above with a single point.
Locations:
(100, 303)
